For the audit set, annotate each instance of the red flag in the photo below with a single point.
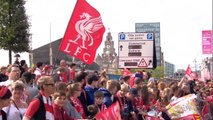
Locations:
(111, 113)
(190, 74)
(84, 32)
(188, 71)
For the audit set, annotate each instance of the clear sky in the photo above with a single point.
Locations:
(181, 23)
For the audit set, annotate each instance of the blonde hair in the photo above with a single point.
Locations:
(111, 84)
(124, 87)
(43, 80)
(72, 88)
(18, 85)
(161, 86)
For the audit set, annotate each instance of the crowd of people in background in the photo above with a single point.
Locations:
(65, 93)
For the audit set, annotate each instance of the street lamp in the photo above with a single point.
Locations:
(17, 56)
(82, 66)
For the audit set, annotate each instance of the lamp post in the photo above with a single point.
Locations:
(82, 66)
(17, 56)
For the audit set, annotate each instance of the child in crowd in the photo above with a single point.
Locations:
(99, 101)
(93, 109)
(130, 111)
(121, 96)
(59, 102)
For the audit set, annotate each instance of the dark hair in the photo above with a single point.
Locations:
(180, 93)
(22, 62)
(145, 93)
(60, 87)
(118, 86)
(80, 76)
(58, 94)
(137, 80)
(98, 94)
(5, 93)
(39, 64)
(93, 110)
(126, 78)
(91, 77)
(72, 65)
(27, 77)
(103, 81)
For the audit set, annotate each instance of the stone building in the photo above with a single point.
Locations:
(109, 58)
(42, 54)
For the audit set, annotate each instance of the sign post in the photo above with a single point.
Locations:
(135, 50)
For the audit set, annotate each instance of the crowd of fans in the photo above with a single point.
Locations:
(42, 93)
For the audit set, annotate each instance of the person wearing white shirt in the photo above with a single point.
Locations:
(17, 108)
(13, 75)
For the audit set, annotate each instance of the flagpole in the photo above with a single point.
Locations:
(51, 52)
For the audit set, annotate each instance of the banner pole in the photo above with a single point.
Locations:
(54, 64)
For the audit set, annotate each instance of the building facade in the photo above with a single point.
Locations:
(42, 54)
(169, 69)
(153, 28)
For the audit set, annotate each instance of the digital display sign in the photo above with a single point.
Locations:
(135, 46)
(135, 50)
(130, 64)
(134, 54)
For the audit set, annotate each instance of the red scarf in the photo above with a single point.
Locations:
(78, 106)
(48, 106)
(122, 103)
(138, 102)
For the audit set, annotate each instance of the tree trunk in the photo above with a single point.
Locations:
(10, 57)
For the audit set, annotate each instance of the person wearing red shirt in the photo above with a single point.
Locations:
(59, 102)
(47, 70)
(40, 108)
(72, 71)
(61, 75)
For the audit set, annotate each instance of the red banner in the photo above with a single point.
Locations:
(84, 32)
(111, 113)
(190, 74)
(188, 71)
(207, 41)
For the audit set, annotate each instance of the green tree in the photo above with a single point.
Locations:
(158, 72)
(14, 27)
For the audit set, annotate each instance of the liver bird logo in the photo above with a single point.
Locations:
(85, 27)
